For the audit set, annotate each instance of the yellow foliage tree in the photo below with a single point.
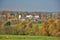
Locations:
(44, 29)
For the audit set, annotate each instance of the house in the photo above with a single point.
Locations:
(28, 16)
(56, 16)
(44, 16)
(36, 16)
(3, 16)
(20, 16)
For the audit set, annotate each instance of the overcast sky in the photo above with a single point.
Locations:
(31, 5)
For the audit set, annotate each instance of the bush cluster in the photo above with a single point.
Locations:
(51, 28)
(23, 28)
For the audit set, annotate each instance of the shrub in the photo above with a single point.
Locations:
(44, 29)
(50, 21)
(8, 23)
(36, 30)
(57, 34)
(51, 28)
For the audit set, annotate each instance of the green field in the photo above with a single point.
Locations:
(20, 37)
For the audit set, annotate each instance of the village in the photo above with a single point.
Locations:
(17, 16)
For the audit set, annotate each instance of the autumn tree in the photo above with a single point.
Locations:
(36, 30)
(44, 31)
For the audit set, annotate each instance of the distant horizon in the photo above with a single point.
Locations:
(29, 11)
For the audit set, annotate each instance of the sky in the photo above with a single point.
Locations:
(31, 5)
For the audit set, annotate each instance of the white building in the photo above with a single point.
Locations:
(28, 16)
(37, 16)
(19, 16)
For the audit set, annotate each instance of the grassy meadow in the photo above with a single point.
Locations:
(27, 37)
